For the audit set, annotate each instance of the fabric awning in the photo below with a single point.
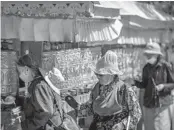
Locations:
(97, 30)
(60, 30)
(142, 10)
(30, 29)
(140, 15)
(141, 23)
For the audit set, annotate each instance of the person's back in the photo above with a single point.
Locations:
(40, 108)
(43, 98)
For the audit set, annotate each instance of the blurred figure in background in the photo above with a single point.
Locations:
(171, 56)
(158, 82)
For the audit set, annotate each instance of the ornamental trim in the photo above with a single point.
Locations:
(47, 10)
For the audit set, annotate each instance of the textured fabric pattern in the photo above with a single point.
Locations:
(126, 98)
(39, 106)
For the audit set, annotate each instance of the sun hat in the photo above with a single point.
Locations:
(153, 48)
(108, 64)
(53, 78)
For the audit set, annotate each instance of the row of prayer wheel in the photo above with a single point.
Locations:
(9, 78)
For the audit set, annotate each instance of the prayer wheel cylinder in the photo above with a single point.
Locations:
(9, 77)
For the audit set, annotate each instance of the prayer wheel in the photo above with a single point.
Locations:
(9, 78)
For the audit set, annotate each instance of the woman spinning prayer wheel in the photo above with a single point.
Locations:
(112, 103)
(43, 104)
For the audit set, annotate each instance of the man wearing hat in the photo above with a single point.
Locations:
(158, 82)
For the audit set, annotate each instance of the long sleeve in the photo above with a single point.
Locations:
(169, 86)
(134, 108)
(144, 81)
(43, 104)
(85, 109)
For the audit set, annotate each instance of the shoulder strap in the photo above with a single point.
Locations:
(121, 93)
(96, 91)
(36, 81)
(117, 90)
(51, 85)
(58, 106)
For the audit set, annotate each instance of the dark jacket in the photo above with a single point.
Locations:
(154, 75)
(40, 106)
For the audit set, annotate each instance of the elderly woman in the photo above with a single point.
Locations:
(41, 111)
(111, 101)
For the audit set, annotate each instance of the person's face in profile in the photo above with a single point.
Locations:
(24, 73)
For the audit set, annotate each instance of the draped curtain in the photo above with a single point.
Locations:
(59, 30)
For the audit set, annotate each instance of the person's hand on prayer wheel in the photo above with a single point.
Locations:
(9, 100)
(16, 111)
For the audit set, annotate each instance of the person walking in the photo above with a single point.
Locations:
(158, 82)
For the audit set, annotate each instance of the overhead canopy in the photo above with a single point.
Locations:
(59, 21)
(140, 15)
(60, 30)
(142, 10)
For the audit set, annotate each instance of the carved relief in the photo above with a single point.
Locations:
(8, 59)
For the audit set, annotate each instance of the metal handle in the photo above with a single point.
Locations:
(128, 122)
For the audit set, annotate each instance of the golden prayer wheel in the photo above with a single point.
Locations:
(9, 77)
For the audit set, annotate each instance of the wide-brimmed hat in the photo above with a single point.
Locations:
(108, 64)
(53, 78)
(153, 48)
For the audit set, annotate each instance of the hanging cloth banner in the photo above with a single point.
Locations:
(3, 34)
(26, 32)
(60, 30)
(9, 27)
(116, 27)
(56, 30)
(68, 26)
(41, 29)
(97, 30)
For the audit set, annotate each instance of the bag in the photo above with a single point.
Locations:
(68, 122)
